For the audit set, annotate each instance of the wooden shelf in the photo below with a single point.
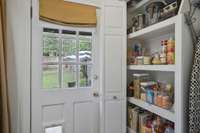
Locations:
(164, 68)
(169, 115)
(161, 28)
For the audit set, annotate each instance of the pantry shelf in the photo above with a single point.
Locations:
(163, 68)
(169, 115)
(161, 28)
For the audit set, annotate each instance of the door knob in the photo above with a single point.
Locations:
(95, 77)
(96, 94)
(115, 97)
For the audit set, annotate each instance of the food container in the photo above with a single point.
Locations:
(137, 79)
(153, 11)
(150, 96)
(139, 21)
(156, 59)
(143, 96)
(163, 58)
(159, 100)
(166, 102)
(170, 58)
(139, 60)
(147, 60)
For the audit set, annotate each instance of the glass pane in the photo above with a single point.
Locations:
(69, 50)
(50, 76)
(57, 129)
(50, 49)
(85, 49)
(85, 75)
(69, 76)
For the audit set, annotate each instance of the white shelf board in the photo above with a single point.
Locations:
(169, 115)
(164, 68)
(155, 30)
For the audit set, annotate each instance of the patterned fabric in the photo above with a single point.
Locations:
(194, 93)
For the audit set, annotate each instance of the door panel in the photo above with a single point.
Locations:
(84, 117)
(113, 117)
(115, 66)
(113, 61)
(52, 113)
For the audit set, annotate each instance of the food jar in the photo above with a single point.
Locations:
(170, 58)
(166, 102)
(147, 60)
(140, 60)
(163, 58)
(137, 79)
(159, 100)
(143, 96)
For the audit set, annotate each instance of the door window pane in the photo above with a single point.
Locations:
(69, 76)
(50, 49)
(57, 129)
(85, 75)
(85, 49)
(69, 50)
(50, 76)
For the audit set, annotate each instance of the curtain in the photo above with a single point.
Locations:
(194, 93)
(67, 13)
(4, 107)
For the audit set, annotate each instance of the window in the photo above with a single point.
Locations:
(67, 58)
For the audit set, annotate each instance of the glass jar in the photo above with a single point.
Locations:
(137, 79)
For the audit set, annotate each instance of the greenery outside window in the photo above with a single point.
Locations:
(67, 59)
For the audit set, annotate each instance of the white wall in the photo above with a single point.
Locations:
(18, 26)
(18, 16)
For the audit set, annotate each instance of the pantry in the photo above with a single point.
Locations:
(159, 55)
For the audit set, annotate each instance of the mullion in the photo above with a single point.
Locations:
(77, 59)
(59, 60)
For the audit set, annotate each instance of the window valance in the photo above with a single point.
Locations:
(62, 12)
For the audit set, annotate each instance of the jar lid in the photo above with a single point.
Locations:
(150, 83)
(140, 74)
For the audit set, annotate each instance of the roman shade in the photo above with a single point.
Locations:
(68, 13)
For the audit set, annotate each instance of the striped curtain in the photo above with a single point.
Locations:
(194, 93)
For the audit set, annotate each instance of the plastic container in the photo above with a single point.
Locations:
(150, 96)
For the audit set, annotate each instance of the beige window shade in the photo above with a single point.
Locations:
(62, 12)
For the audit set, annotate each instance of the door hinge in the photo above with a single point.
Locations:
(31, 12)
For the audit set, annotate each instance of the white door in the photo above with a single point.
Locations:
(65, 95)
